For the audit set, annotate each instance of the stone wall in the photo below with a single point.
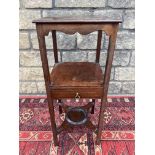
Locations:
(76, 47)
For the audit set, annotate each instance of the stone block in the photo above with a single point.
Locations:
(88, 41)
(124, 40)
(48, 40)
(28, 74)
(29, 58)
(66, 12)
(80, 3)
(112, 14)
(112, 72)
(24, 40)
(129, 19)
(121, 58)
(114, 87)
(121, 3)
(33, 59)
(128, 87)
(74, 56)
(124, 73)
(20, 4)
(41, 87)
(27, 88)
(34, 40)
(64, 41)
(132, 60)
(26, 17)
(92, 57)
(37, 4)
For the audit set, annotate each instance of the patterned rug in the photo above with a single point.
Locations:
(36, 136)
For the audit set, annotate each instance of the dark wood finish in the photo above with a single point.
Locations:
(66, 125)
(98, 46)
(73, 74)
(43, 53)
(55, 46)
(77, 27)
(111, 47)
(70, 92)
(60, 106)
(92, 110)
(76, 79)
(78, 19)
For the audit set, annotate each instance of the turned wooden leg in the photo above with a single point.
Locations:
(60, 106)
(52, 118)
(92, 110)
(100, 124)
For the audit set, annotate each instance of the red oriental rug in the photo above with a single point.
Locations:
(36, 136)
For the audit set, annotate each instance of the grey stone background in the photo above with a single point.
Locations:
(76, 47)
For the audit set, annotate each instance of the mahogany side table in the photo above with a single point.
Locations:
(76, 79)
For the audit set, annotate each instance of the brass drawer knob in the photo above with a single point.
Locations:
(77, 97)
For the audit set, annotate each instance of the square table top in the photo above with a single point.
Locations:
(78, 19)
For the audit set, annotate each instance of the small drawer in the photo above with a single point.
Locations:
(77, 93)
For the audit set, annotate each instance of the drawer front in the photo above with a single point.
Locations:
(73, 93)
